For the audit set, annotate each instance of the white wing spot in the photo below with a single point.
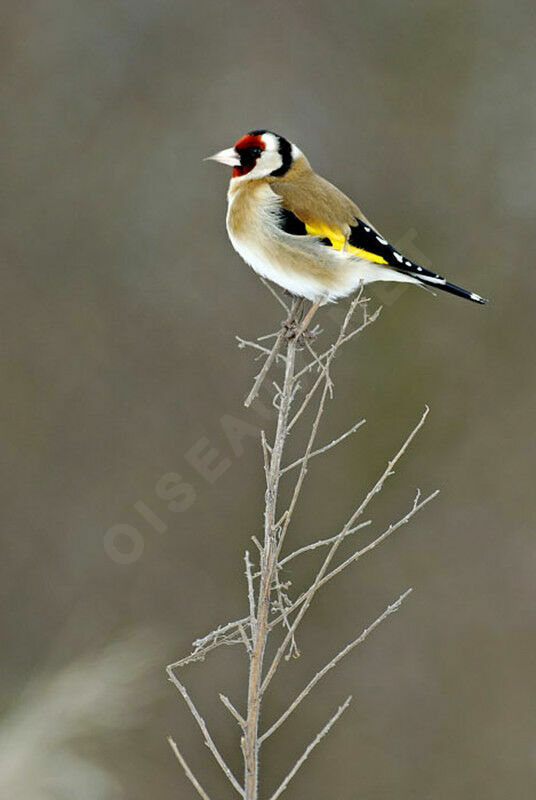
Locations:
(398, 256)
(381, 239)
(434, 279)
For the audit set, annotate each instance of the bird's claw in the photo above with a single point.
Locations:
(293, 331)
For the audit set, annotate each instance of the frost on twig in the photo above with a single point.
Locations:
(273, 611)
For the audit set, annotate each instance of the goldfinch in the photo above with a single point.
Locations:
(301, 232)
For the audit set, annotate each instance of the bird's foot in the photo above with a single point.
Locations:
(293, 330)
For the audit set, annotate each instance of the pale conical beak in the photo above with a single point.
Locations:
(229, 157)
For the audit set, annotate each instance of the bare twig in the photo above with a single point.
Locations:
(324, 373)
(357, 555)
(314, 545)
(268, 570)
(204, 730)
(243, 636)
(319, 543)
(243, 343)
(368, 320)
(390, 530)
(275, 294)
(316, 360)
(229, 706)
(272, 354)
(229, 634)
(282, 603)
(266, 450)
(269, 601)
(327, 727)
(190, 775)
(303, 469)
(264, 371)
(334, 661)
(251, 595)
(318, 581)
(326, 447)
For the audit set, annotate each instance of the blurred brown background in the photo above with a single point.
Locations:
(121, 299)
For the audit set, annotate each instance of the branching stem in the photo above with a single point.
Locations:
(268, 596)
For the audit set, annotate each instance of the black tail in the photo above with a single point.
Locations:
(365, 238)
(428, 278)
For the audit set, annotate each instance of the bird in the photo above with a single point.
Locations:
(298, 230)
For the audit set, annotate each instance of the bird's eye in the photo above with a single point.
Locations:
(248, 157)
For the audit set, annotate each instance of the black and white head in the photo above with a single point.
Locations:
(259, 154)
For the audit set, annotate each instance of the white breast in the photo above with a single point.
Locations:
(259, 241)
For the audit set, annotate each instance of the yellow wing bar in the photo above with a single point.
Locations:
(339, 242)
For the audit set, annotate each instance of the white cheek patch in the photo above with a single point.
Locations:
(271, 143)
(269, 161)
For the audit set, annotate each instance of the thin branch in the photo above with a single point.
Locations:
(265, 368)
(314, 430)
(272, 596)
(368, 320)
(265, 454)
(327, 727)
(388, 471)
(268, 567)
(307, 598)
(251, 595)
(316, 359)
(273, 353)
(282, 605)
(326, 447)
(228, 634)
(229, 706)
(324, 372)
(334, 661)
(309, 396)
(243, 636)
(275, 294)
(243, 343)
(319, 543)
(303, 469)
(204, 730)
(356, 556)
(189, 774)
(314, 545)
(390, 530)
